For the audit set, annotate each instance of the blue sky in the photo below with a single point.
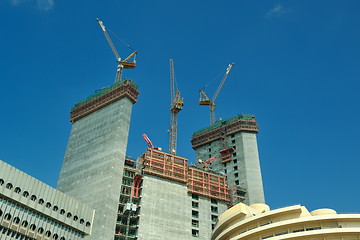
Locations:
(297, 69)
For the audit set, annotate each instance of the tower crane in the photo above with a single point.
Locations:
(205, 100)
(122, 63)
(177, 104)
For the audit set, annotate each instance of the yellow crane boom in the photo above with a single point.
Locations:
(121, 63)
(205, 100)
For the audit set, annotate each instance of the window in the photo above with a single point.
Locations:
(195, 223)
(24, 223)
(7, 216)
(17, 190)
(55, 208)
(88, 224)
(9, 186)
(235, 160)
(235, 167)
(16, 220)
(1, 182)
(1, 213)
(62, 238)
(195, 204)
(82, 221)
(33, 198)
(233, 141)
(282, 233)
(48, 233)
(194, 196)
(41, 201)
(236, 175)
(232, 135)
(48, 205)
(214, 218)
(225, 164)
(56, 236)
(76, 218)
(40, 230)
(195, 233)
(195, 214)
(209, 149)
(214, 209)
(209, 155)
(62, 211)
(32, 227)
(212, 226)
(225, 171)
(214, 201)
(25, 194)
(234, 154)
(68, 215)
(237, 182)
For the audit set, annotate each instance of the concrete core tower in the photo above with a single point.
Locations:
(230, 147)
(93, 165)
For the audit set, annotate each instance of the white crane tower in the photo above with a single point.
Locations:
(121, 63)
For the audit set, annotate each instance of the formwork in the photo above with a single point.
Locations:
(173, 167)
(166, 165)
(226, 154)
(208, 184)
(239, 123)
(103, 97)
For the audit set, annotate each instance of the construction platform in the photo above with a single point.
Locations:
(238, 123)
(104, 97)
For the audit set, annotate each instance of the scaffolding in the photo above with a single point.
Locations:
(104, 97)
(226, 154)
(239, 123)
(237, 194)
(165, 165)
(208, 184)
(129, 203)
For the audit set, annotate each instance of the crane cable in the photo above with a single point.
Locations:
(212, 81)
(121, 40)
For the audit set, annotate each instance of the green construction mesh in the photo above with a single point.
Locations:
(104, 90)
(219, 123)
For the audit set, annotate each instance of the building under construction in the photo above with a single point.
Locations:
(163, 197)
(229, 147)
(159, 195)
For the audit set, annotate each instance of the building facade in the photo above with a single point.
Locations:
(162, 197)
(230, 147)
(257, 221)
(93, 165)
(30, 209)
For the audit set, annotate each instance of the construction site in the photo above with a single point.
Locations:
(159, 187)
(158, 195)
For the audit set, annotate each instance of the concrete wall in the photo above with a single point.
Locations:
(244, 168)
(249, 168)
(93, 164)
(165, 210)
(205, 216)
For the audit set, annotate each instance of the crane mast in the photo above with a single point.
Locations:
(121, 63)
(176, 106)
(205, 100)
